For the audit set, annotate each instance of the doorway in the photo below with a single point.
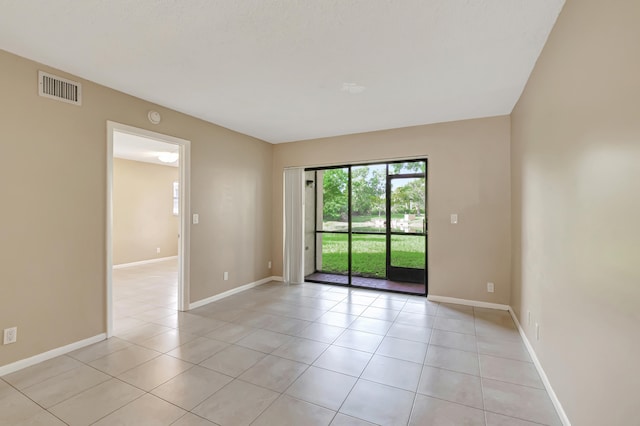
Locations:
(168, 159)
(366, 226)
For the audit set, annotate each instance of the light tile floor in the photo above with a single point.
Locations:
(307, 354)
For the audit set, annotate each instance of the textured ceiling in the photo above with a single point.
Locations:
(276, 69)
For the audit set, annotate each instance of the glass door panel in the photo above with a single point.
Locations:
(407, 226)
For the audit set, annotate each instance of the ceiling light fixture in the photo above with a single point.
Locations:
(168, 157)
(353, 88)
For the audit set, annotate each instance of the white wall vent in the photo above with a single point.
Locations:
(61, 89)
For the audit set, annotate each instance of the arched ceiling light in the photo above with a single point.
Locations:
(168, 157)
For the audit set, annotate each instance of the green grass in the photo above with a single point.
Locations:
(369, 253)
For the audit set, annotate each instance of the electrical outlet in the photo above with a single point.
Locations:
(10, 335)
(537, 331)
(225, 276)
(454, 218)
(158, 250)
(490, 287)
(269, 264)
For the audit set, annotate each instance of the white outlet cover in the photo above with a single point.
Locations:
(196, 218)
(454, 218)
(225, 276)
(490, 287)
(10, 335)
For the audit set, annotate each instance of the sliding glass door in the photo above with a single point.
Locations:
(369, 226)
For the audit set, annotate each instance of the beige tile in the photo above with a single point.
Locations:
(452, 386)
(519, 401)
(449, 339)
(63, 386)
(452, 359)
(190, 419)
(301, 350)
(143, 332)
(274, 373)
(393, 372)
(378, 403)
(344, 420)
(264, 341)
(322, 387)
(190, 388)
(359, 340)
(348, 308)
(343, 360)
(289, 326)
(230, 333)
(436, 412)
(43, 418)
(294, 412)
(337, 319)
(495, 346)
(233, 360)
(456, 325)
(125, 359)
(509, 370)
(450, 310)
(410, 332)
(15, 408)
(321, 332)
(198, 350)
(423, 307)
(371, 325)
(237, 404)
(380, 313)
(499, 420)
(201, 326)
(402, 349)
(100, 349)
(417, 320)
(155, 372)
(93, 404)
(391, 303)
(146, 410)
(167, 341)
(40, 372)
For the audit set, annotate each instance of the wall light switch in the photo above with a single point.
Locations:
(196, 218)
(454, 218)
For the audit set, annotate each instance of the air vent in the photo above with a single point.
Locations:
(61, 89)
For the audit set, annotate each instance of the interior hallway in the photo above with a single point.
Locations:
(276, 354)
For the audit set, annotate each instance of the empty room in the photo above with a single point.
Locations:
(376, 212)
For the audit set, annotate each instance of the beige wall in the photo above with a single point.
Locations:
(53, 164)
(576, 203)
(143, 219)
(468, 174)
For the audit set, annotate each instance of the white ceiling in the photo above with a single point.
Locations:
(137, 148)
(276, 69)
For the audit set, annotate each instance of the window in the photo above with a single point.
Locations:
(176, 198)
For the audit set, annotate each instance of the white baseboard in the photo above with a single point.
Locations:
(545, 380)
(143, 262)
(276, 278)
(28, 362)
(467, 302)
(231, 292)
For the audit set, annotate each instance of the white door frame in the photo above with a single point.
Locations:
(185, 213)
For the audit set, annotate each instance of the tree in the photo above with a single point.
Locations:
(335, 186)
(367, 190)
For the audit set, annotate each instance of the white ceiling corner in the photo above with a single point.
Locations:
(276, 69)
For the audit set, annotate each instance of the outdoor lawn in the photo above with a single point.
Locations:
(369, 253)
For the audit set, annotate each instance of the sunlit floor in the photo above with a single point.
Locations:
(307, 354)
(373, 283)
